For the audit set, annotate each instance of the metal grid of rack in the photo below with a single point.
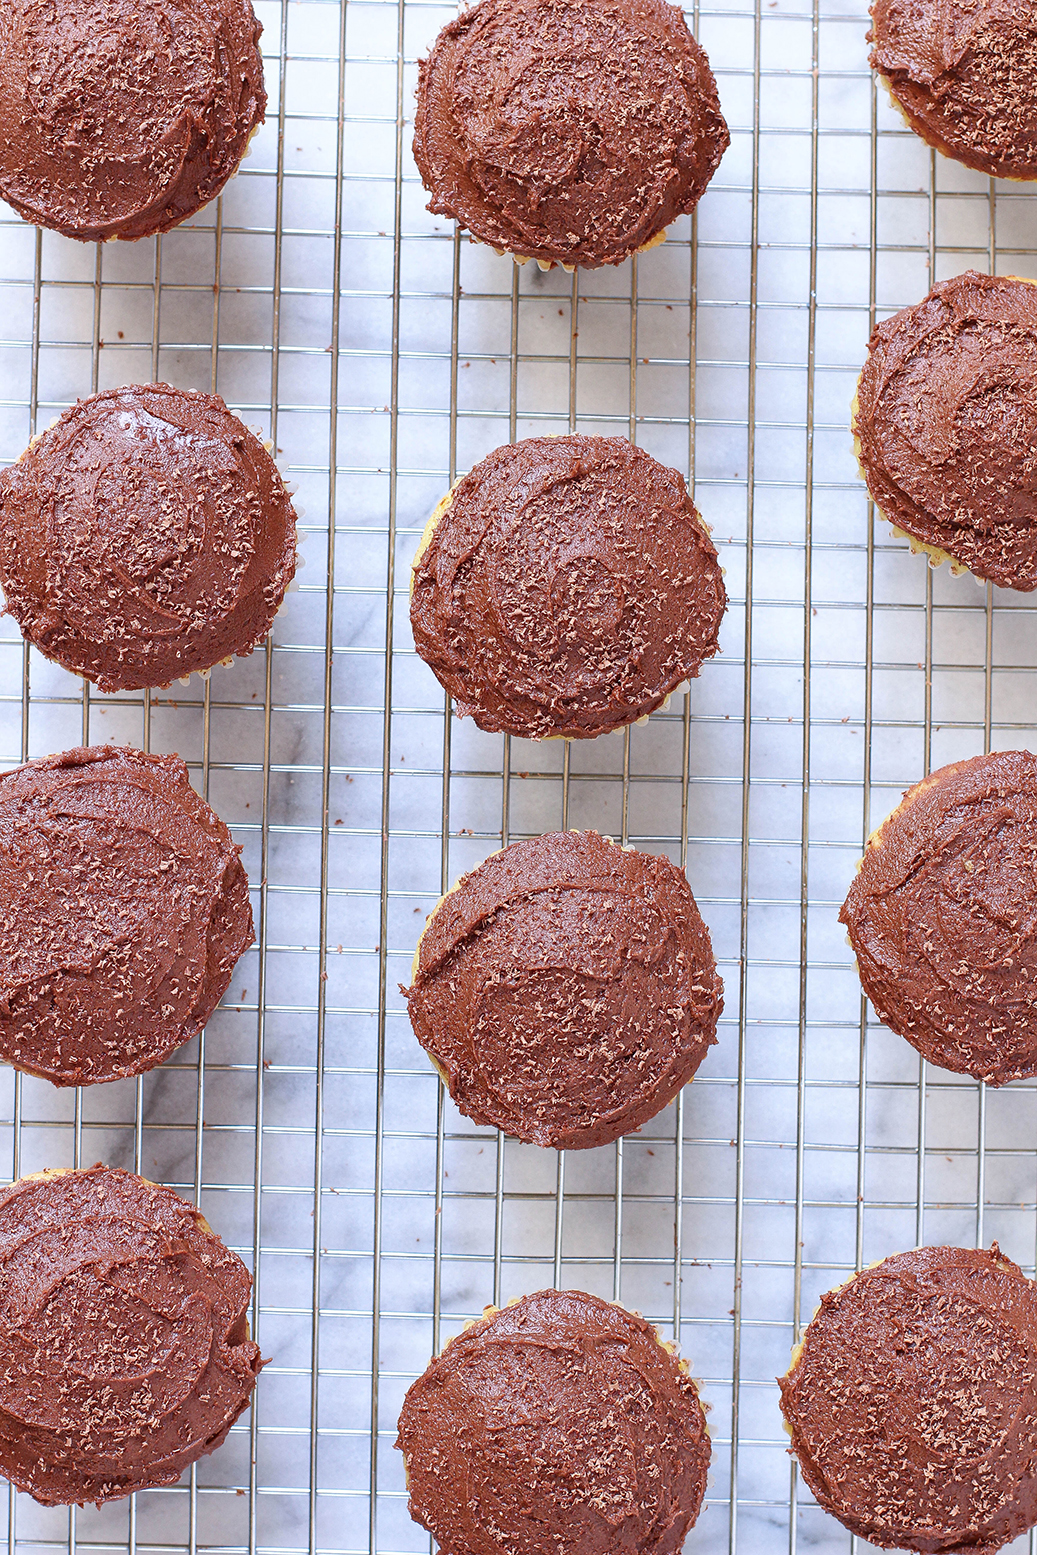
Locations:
(382, 354)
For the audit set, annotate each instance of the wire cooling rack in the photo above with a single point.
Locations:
(383, 355)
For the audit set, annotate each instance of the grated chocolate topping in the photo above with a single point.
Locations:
(558, 1426)
(946, 423)
(913, 1404)
(124, 1347)
(123, 910)
(567, 589)
(942, 916)
(965, 74)
(569, 131)
(120, 118)
(145, 535)
(567, 990)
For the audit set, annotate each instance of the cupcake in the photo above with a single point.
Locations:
(571, 132)
(124, 1345)
(942, 917)
(964, 74)
(565, 587)
(146, 534)
(123, 909)
(945, 423)
(559, 1423)
(121, 118)
(566, 990)
(912, 1402)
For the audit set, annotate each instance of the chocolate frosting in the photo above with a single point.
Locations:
(569, 131)
(942, 917)
(965, 74)
(145, 535)
(124, 1347)
(120, 118)
(566, 989)
(913, 1405)
(558, 1426)
(123, 909)
(946, 423)
(567, 589)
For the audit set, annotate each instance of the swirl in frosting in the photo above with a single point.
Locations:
(566, 989)
(123, 910)
(558, 1424)
(567, 588)
(124, 1345)
(965, 74)
(121, 118)
(145, 535)
(946, 424)
(912, 1404)
(569, 131)
(942, 917)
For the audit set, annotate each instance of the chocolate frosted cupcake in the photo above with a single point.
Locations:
(121, 118)
(566, 990)
(565, 587)
(945, 424)
(124, 1344)
(964, 73)
(145, 535)
(123, 909)
(942, 917)
(559, 1423)
(571, 132)
(912, 1402)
